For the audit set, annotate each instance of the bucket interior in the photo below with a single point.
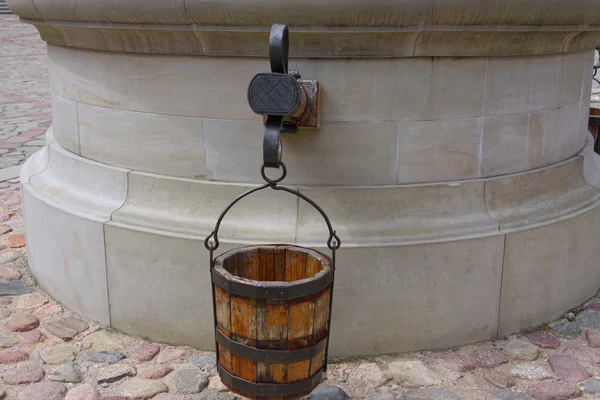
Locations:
(274, 263)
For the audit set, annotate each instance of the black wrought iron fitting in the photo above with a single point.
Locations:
(285, 101)
(597, 65)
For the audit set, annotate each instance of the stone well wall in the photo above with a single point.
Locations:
(453, 160)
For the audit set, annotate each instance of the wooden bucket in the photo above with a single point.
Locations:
(272, 308)
(272, 311)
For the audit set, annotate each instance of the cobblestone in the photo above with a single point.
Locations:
(25, 110)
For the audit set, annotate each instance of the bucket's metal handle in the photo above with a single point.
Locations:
(212, 241)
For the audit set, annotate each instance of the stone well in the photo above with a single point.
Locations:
(453, 159)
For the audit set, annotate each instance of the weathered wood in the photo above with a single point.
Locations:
(243, 317)
(225, 359)
(301, 320)
(269, 323)
(251, 266)
(298, 371)
(316, 363)
(271, 373)
(321, 311)
(295, 265)
(244, 368)
(313, 266)
(273, 322)
(222, 306)
(279, 263)
(267, 265)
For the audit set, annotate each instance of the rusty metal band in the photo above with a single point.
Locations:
(269, 389)
(290, 292)
(270, 356)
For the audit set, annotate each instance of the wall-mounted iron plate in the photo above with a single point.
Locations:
(311, 119)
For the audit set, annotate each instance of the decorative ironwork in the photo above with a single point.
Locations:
(285, 101)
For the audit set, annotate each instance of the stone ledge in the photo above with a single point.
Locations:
(86, 189)
(249, 41)
(380, 13)
(179, 207)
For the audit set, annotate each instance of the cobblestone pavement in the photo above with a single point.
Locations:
(49, 353)
(25, 111)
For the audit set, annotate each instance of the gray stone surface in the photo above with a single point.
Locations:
(141, 388)
(58, 354)
(521, 350)
(187, 380)
(588, 319)
(412, 374)
(109, 357)
(206, 363)
(68, 372)
(592, 386)
(566, 329)
(7, 341)
(326, 392)
(430, 394)
(510, 395)
(210, 395)
(13, 288)
(531, 371)
(115, 372)
(382, 395)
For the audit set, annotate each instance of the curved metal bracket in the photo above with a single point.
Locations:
(272, 142)
(279, 46)
(597, 66)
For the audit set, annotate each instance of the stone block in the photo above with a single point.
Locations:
(508, 86)
(338, 153)
(393, 215)
(66, 184)
(192, 207)
(544, 264)
(440, 150)
(68, 261)
(540, 196)
(163, 144)
(575, 65)
(453, 286)
(505, 145)
(561, 134)
(192, 86)
(72, 76)
(65, 123)
(390, 95)
(546, 82)
(166, 307)
(458, 86)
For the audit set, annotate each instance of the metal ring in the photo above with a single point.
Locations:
(207, 242)
(274, 181)
(334, 242)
